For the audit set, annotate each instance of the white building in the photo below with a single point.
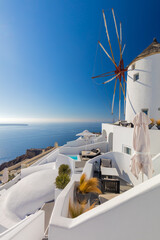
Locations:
(143, 89)
(143, 83)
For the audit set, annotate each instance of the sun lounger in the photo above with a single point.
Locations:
(91, 154)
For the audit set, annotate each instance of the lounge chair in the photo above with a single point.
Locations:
(106, 162)
(91, 154)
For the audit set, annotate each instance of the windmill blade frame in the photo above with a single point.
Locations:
(117, 33)
(105, 24)
(111, 79)
(114, 95)
(107, 54)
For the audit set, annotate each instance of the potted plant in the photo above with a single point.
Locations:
(76, 209)
(64, 169)
(62, 179)
(86, 187)
(158, 124)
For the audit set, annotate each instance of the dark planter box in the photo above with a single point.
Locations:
(82, 197)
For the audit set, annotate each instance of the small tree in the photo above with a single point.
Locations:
(64, 169)
(62, 180)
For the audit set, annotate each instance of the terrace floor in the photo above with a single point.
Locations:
(106, 196)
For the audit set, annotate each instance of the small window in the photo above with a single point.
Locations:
(136, 77)
(127, 150)
(145, 111)
(133, 66)
(159, 109)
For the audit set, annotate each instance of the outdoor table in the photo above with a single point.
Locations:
(109, 171)
(109, 184)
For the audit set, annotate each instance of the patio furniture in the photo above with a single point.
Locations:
(111, 185)
(97, 169)
(91, 154)
(105, 171)
(106, 162)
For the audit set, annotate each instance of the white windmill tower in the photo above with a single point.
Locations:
(143, 84)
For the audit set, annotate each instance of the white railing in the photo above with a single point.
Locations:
(50, 157)
(156, 164)
(31, 228)
(10, 183)
(131, 215)
(27, 171)
(76, 143)
(122, 161)
(82, 142)
(76, 150)
(60, 211)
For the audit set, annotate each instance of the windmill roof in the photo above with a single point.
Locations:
(153, 48)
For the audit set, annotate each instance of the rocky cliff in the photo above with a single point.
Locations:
(30, 153)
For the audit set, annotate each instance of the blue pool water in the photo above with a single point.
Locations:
(74, 157)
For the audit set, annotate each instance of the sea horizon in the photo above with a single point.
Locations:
(17, 138)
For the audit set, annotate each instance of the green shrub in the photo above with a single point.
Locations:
(62, 180)
(64, 169)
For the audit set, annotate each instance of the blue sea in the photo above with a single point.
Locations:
(15, 140)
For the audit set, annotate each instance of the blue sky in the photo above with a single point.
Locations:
(47, 56)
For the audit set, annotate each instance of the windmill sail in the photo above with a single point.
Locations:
(119, 72)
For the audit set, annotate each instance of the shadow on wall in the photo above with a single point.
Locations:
(131, 103)
(122, 173)
(110, 142)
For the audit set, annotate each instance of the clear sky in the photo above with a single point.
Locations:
(47, 56)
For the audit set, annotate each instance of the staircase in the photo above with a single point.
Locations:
(47, 208)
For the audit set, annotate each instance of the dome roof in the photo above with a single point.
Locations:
(153, 48)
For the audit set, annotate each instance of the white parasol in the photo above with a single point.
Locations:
(85, 134)
(141, 160)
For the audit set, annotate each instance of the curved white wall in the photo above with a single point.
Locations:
(131, 215)
(144, 93)
(31, 228)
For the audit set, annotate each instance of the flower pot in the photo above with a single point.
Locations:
(83, 197)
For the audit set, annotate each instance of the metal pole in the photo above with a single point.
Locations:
(124, 98)
(119, 102)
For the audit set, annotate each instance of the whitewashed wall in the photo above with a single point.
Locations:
(131, 215)
(10, 183)
(62, 159)
(121, 162)
(27, 171)
(144, 93)
(31, 228)
(123, 136)
(76, 150)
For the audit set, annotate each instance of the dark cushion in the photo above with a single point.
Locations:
(94, 150)
(105, 162)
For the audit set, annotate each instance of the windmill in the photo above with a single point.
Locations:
(119, 73)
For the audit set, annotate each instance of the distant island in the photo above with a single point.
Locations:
(13, 124)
